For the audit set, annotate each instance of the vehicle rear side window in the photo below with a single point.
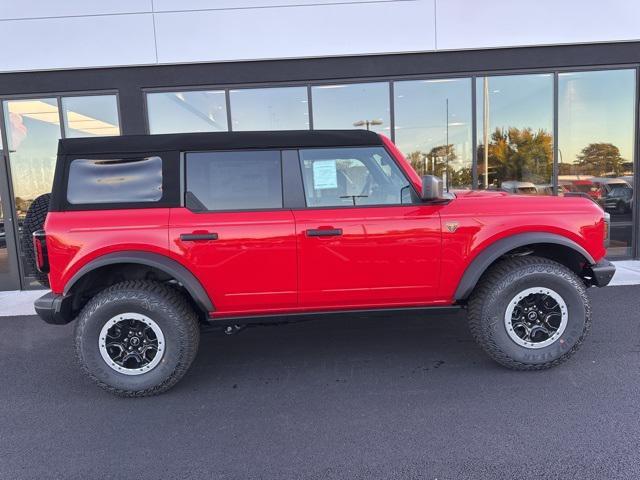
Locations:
(242, 180)
(134, 180)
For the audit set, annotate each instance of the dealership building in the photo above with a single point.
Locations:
(536, 98)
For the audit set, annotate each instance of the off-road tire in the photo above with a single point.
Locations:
(497, 287)
(165, 306)
(34, 221)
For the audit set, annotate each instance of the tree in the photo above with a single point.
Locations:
(518, 154)
(600, 159)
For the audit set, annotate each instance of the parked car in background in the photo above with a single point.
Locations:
(581, 186)
(546, 189)
(606, 185)
(619, 199)
(520, 188)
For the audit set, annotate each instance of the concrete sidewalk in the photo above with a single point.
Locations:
(16, 303)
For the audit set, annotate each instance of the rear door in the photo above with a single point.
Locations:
(365, 239)
(233, 232)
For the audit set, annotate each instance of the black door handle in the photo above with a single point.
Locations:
(198, 237)
(324, 232)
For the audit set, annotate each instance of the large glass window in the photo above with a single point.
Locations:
(342, 177)
(515, 133)
(269, 109)
(433, 127)
(358, 105)
(4, 257)
(33, 130)
(595, 141)
(88, 116)
(248, 180)
(180, 112)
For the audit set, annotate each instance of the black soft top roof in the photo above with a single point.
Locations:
(217, 141)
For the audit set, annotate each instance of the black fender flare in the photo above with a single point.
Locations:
(165, 264)
(494, 251)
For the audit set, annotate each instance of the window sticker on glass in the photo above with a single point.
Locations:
(325, 174)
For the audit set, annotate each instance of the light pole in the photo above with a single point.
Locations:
(485, 125)
(367, 123)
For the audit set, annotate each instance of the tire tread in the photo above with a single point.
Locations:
(486, 291)
(173, 300)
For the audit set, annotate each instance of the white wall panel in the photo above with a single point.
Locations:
(303, 31)
(183, 5)
(77, 42)
(463, 24)
(16, 9)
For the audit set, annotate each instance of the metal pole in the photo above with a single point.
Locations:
(447, 148)
(485, 129)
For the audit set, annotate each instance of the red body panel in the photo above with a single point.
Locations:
(76, 238)
(264, 262)
(253, 264)
(385, 256)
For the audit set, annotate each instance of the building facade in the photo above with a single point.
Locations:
(529, 97)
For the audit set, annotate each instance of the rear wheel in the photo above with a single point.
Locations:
(137, 338)
(530, 313)
(34, 221)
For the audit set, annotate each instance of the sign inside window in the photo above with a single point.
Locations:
(325, 175)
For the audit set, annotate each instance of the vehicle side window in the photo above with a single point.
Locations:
(241, 180)
(337, 177)
(115, 181)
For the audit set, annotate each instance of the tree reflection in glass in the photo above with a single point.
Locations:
(595, 139)
(515, 120)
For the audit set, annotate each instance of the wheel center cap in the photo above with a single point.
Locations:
(532, 316)
(135, 341)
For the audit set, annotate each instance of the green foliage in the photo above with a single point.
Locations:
(518, 154)
(600, 159)
(435, 162)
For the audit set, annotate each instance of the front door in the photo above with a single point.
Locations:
(234, 233)
(364, 239)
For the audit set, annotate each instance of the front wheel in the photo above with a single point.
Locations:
(530, 313)
(137, 338)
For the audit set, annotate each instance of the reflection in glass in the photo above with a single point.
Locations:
(4, 259)
(357, 105)
(269, 109)
(515, 120)
(180, 112)
(433, 127)
(595, 140)
(33, 130)
(88, 116)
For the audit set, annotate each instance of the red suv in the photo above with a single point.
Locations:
(147, 238)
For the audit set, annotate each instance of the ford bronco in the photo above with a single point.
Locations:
(145, 239)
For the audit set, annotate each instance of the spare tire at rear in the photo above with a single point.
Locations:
(34, 221)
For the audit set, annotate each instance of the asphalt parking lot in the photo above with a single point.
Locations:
(359, 399)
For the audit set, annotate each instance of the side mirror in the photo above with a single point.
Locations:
(431, 187)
